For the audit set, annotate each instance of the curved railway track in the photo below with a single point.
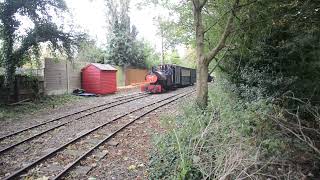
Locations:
(100, 134)
(11, 144)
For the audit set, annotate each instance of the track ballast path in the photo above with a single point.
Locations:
(68, 155)
(14, 139)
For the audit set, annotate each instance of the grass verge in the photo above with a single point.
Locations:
(47, 102)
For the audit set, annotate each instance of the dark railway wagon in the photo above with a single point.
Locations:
(167, 77)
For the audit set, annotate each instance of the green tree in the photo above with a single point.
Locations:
(205, 25)
(278, 51)
(169, 34)
(123, 47)
(152, 57)
(88, 51)
(16, 48)
(189, 58)
(205, 58)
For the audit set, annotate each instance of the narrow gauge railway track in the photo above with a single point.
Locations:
(129, 95)
(13, 142)
(120, 98)
(100, 134)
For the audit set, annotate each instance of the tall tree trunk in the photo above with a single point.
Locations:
(9, 77)
(9, 73)
(9, 63)
(202, 69)
(202, 85)
(204, 59)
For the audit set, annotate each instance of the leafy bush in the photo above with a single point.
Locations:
(26, 82)
(263, 118)
(277, 51)
(171, 157)
(236, 139)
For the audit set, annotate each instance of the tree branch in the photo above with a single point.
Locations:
(218, 62)
(43, 33)
(229, 11)
(199, 5)
(214, 24)
(227, 30)
(203, 3)
(195, 3)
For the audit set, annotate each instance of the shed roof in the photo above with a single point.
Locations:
(104, 67)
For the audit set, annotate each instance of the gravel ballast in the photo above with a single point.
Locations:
(25, 153)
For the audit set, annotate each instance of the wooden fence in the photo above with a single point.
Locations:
(130, 75)
(61, 76)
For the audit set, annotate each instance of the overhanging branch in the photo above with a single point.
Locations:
(46, 32)
(227, 30)
(218, 62)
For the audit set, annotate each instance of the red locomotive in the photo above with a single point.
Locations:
(167, 77)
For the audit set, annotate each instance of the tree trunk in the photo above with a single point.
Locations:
(202, 85)
(202, 67)
(9, 64)
(9, 79)
(204, 59)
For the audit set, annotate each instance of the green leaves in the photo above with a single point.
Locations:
(89, 52)
(123, 47)
(278, 50)
(16, 48)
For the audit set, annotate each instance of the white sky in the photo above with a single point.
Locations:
(90, 15)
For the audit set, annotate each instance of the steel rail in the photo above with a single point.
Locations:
(59, 118)
(128, 95)
(62, 124)
(74, 163)
(48, 155)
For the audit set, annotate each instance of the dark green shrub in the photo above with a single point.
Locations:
(278, 51)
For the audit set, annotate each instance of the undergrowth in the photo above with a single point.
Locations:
(235, 139)
(42, 103)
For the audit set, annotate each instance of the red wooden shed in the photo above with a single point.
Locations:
(99, 78)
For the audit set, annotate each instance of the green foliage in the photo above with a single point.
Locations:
(278, 51)
(172, 156)
(123, 48)
(189, 59)
(89, 52)
(232, 138)
(152, 57)
(179, 27)
(27, 82)
(173, 57)
(263, 115)
(15, 48)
